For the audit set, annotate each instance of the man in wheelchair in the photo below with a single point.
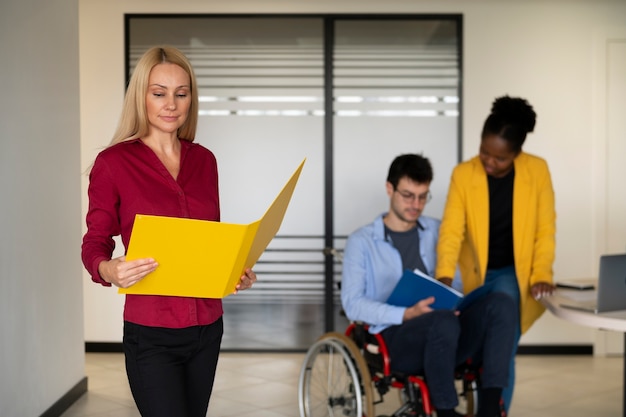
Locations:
(421, 340)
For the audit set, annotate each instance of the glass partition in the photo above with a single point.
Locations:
(394, 83)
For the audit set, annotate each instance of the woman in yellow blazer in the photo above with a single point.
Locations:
(499, 221)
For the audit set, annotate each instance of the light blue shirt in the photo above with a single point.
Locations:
(372, 267)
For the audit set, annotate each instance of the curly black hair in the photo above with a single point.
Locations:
(511, 118)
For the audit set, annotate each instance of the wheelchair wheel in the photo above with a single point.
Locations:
(335, 380)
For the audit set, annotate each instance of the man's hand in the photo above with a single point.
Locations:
(419, 308)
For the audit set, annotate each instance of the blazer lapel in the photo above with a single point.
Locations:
(479, 212)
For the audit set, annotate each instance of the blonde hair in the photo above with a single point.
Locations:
(134, 119)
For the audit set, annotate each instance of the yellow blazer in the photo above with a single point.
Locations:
(464, 231)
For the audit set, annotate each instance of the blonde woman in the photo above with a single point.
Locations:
(152, 166)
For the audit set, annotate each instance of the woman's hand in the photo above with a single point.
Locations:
(541, 289)
(445, 280)
(124, 274)
(246, 280)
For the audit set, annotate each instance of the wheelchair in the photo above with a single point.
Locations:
(342, 373)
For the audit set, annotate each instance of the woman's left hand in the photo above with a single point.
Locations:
(246, 280)
(541, 289)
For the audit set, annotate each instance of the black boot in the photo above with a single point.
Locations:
(447, 413)
(489, 403)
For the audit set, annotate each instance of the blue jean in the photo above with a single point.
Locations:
(434, 344)
(504, 280)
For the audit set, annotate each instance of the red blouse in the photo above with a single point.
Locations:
(127, 179)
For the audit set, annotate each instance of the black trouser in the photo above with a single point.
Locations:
(434, 344)
(171, 371)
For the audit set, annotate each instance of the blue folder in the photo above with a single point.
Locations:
(476, 294)
(415, 286)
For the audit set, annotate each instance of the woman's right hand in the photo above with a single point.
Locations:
(123, 274)
(445, 280)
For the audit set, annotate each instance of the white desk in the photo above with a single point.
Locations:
(615, 320)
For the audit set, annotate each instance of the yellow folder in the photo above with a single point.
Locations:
(200, 258)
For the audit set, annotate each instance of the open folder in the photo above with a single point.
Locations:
(200, 258)
(415, 286)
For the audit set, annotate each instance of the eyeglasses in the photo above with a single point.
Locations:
(410, 197)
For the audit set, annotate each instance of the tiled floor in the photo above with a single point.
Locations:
(265, 385)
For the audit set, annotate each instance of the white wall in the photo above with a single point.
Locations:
(41, 310)
(541, 50)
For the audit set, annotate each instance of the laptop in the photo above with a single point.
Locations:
(611, 293)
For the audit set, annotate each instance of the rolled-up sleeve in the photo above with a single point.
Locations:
(369, 276)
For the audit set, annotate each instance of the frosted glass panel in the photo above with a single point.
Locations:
(370, 144)
(396, 92)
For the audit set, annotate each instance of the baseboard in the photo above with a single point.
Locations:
(109, 347)
(66, 401)
(116, 347)
(555, 350)
(103, 347)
